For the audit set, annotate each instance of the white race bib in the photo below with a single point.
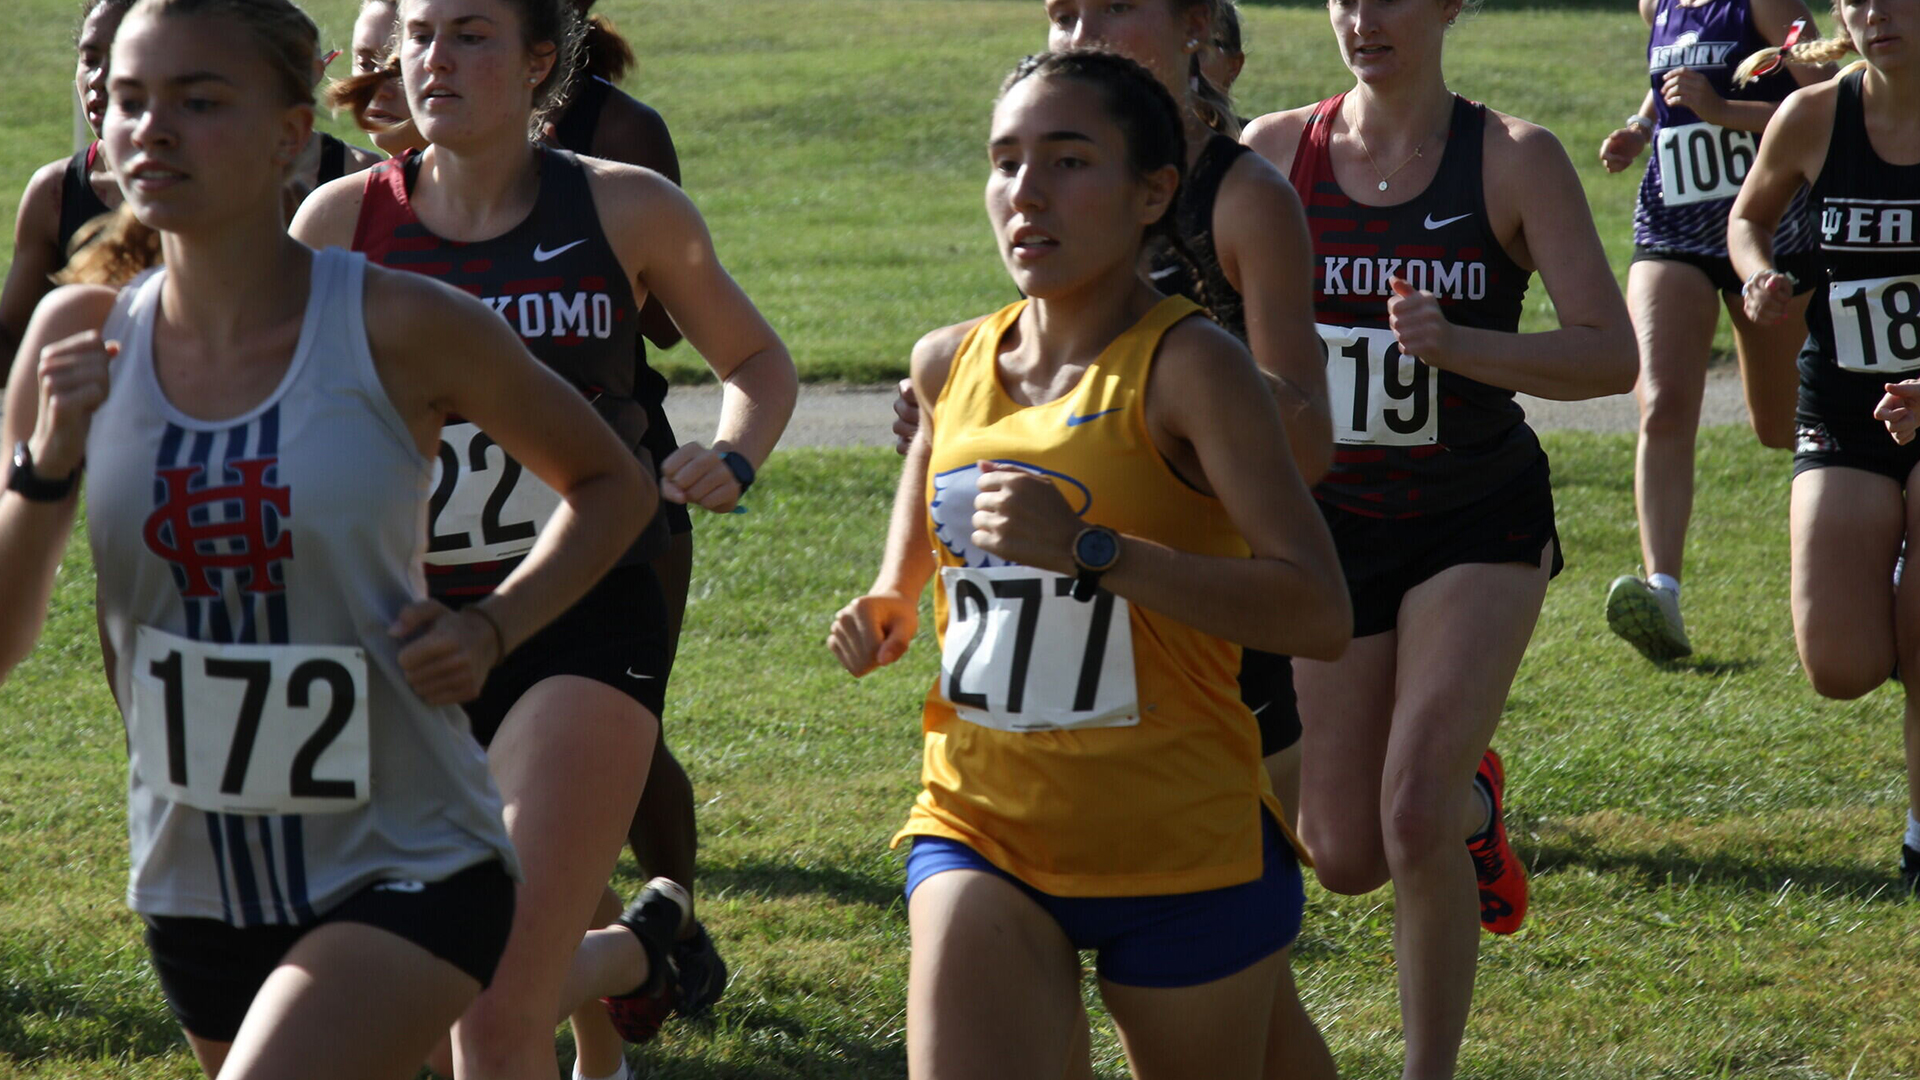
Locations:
(485, 507)
(1876, 324)
(1380, 395)
(250, 729)
(1702, 162)
(1021, 654)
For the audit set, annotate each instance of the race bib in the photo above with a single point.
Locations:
(1876, 324)
(1021, 654)
(485, 507)
(1702, 162)
(250, 729)
(1380, 395)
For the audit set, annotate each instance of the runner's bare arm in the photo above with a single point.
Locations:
(35, 254)
(1790, 156)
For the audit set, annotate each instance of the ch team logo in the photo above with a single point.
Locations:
(238, 525)
(952, 507)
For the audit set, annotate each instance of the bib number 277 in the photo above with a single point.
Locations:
(1021, 654)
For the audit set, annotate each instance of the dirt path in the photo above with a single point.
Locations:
(860, 415)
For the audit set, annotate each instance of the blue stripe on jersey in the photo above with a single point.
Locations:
(251, 913)
(220, 864)
(294, 833)
(265, 828)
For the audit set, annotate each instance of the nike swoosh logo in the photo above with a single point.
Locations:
(541, 254)
(632, 674)
(1076, 421)
(1432, 224)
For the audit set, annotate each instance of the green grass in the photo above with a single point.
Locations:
(836, 147)
(1711, 845)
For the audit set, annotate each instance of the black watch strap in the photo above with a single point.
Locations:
(33, 487)
(741, 468)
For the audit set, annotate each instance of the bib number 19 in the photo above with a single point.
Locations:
(1380, 395)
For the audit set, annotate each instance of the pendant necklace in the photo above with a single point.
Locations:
(1386, 176)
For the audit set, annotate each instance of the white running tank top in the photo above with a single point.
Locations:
(248, 570)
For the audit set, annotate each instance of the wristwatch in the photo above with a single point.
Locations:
(1642, 123)
(1095, 550)
(740, 467)
(30, 485)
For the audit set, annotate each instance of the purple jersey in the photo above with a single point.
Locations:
(1695, 168)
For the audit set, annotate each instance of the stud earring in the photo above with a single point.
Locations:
(1193, 44)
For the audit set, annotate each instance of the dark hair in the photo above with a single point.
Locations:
(605, 53)
(1226, 28)
(88, 7)
(121, 246)
(558, 22)
(1140, 105)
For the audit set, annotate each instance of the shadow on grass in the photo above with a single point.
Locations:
(784, 1047)
(1710, 665)
(41, 1020)
(772, 879)
(1665, 864)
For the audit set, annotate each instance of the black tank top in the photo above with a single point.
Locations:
(555, 279)
(1863, 326)
(574, 131)
(78, 202)
(1413, 441)
(333, 159)
(1193, 216)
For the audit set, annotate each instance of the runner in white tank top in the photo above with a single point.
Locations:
(317, 846)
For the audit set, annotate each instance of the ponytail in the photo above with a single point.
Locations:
(606, 54)
(112, 250)
(1818, 51)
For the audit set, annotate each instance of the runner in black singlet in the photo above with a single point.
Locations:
(1429, 214)
(65, 194)
(1856, 141)
(563, 248)
(603, 121)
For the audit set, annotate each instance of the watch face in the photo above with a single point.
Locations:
(1096, 548)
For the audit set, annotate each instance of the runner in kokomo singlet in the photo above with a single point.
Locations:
(1703, 128)
(1856, 140)
(1428, 215)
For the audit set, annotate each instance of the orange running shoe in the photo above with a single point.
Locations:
(1503, 879)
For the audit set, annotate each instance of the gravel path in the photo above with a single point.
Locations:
(830, 415)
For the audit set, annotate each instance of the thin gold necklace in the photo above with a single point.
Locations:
(1386, 176)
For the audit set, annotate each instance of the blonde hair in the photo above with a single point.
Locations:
(115, 248)
(1817, 51)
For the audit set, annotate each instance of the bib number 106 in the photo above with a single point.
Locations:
(1703, 162)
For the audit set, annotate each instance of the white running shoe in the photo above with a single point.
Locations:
(1648, 618)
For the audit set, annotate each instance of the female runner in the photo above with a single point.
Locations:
(63, 195)
(1703, 130)
(1430, 213)
(564, 248)
(1094, 435)
(373, 93)
(1856, 140)
(317, 846)
(601, 120)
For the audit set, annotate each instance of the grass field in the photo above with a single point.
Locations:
(1711, 845)
(837, 147)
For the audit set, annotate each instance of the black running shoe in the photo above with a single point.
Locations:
(655, 917)
(703, 974)
(1910, 869)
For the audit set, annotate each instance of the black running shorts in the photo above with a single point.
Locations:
(210, 970)
(1385, 559)
(1804, 266)
(1266, 686)
(617, 634)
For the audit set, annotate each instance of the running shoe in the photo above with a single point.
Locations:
(1503, 879)
(1910, 869)
(1648, 618)
(655, 917)
(703, 974)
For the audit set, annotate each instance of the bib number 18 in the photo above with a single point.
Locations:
(1876, 324)
(1021, 654)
